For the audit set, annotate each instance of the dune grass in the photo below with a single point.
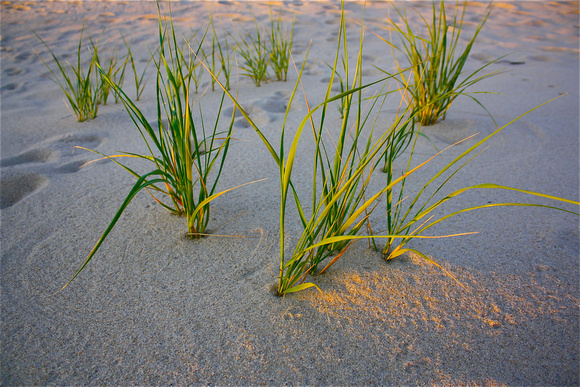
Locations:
(342, 205)
(345, 157)
(281, 40)
(139, 77)
(188, 155)
(412, 217)
(112, 68)
(256, 56)
(437, 75)
(343, 165)
(77, 82)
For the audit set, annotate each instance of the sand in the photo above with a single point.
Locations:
(156, 308)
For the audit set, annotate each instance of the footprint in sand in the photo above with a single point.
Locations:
(314, 67)
(12, 86)
(16, 187)
(255, 113)
(24, 57)
(30, 171)
(31, 156)
(14, 70)
(277, 103)
(265, 110)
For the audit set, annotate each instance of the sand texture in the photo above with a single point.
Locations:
(156, 308)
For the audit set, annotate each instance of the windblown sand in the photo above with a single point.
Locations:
(156, 308)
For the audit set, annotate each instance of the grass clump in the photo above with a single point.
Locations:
(341, 206)
(111, 69)
(437, 77)
(77, 82)
(188, 155)
(281, 40)
(341, 201)
(410, 221)
(256, 56)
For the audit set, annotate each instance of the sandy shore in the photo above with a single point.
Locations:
(155, 308)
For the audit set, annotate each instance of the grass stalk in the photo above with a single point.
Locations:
(139, 78)
(80, 87)
(281, 40)
(256, 56)
(187, 155)
(437, 75)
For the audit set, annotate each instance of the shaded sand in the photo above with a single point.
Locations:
(155, 308)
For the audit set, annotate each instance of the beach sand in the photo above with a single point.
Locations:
(153, 307)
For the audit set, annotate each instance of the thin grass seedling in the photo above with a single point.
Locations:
(281, 40)
(118, 77)
(342, 88)
(193, 63)
(139, 78)
(437, 77)
(224, 57)
(256, 56)
(188, 155)
(219, 58)
(111, 68)
(80, 88)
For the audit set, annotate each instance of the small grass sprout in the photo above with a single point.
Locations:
(342, 88)
(437, 78)
(80, 87)
(187, 155)
(281, 40)
(194, 49)
(256, 56)
(111, 68)
(216, 57)
(224, 54)
(139, 78)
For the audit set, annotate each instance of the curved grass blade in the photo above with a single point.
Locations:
(139, 185)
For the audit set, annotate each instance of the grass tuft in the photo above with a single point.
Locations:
(187, 155)
(281, 40)
(80, 87)
(256, 56)
(437, 63)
